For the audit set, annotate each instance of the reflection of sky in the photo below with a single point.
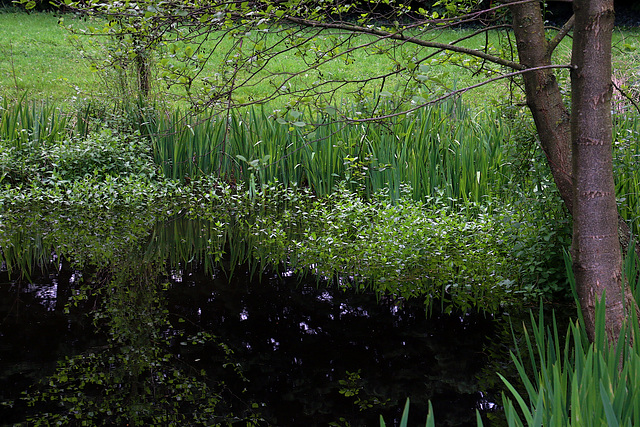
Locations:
(274, 344)
(346, 309)
(304, 327)
(325, 296)
(47, 294)
(176, 276)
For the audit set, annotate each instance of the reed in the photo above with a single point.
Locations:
(442, 150)
(177, 241)
(24, 123)
(626, 158)
(576, 383)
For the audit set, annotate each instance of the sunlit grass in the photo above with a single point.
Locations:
(39, 61)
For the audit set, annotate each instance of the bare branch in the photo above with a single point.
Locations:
(413, 40)
(626, 95)
(457, 92)
(559, 36)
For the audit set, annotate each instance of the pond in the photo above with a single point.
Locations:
(154, 339)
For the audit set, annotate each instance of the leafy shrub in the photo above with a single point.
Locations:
(407, 249)
(540, 232)
(45, 144)
(101, 154)
(540, 224)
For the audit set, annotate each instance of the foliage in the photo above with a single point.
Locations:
(367, 231)
(442, 148)
(626, 158)
(407, 249)
(427, 249)
(577, 383)
(539, 248)
(43, 143)
(352, 387)
(137, 378)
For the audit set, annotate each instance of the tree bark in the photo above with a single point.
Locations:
(597, 260)
(543, 96)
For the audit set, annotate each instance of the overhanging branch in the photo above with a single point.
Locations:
(559, 36)
(457, 92)
(408, 39)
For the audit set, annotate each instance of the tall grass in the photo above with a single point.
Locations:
(574, 382)
(626, 158)
(24, 123)
(444, 150)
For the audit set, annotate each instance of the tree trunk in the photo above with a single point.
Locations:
(597, 261)
(543, 95)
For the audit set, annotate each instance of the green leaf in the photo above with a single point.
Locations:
(404, 421)
(612, 420)
(523, 406)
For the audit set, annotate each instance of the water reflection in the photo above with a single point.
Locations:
(298, 342)
(271, 349)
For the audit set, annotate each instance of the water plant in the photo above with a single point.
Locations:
(138, 376)
(576, 382)
(566, 380)
(444, 148)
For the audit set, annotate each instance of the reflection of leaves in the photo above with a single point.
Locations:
(355, 386)
(135, 379)
(135, 386)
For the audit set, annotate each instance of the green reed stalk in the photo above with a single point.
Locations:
(22, 124)
(439, 150)
(626, 154)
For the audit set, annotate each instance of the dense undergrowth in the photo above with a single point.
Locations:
(329, 207)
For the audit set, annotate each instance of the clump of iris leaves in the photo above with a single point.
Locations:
(460, 255)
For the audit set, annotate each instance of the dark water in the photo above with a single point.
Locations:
(298, 340)
(150, 331)
(299, 344)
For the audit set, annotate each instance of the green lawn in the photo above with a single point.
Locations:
(39, 60)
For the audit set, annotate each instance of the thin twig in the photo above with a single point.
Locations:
(626, 95)
(456, 92)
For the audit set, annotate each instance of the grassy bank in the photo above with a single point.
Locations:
(42, 59)
(332, 220)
